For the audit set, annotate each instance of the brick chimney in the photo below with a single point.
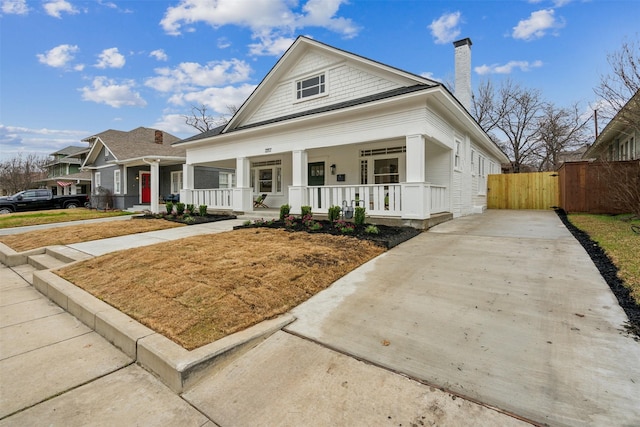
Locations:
(158, 137)
(463, 72)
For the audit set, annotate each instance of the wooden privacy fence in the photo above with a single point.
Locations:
(538, 190)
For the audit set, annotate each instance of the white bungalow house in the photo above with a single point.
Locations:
(327, 127)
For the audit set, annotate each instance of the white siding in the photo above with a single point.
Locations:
(344, 82)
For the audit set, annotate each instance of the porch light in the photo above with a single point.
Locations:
(333, 169)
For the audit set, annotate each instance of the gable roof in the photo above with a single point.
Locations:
(135, 144)
(70, 150)
(619, 124)
(410, 83)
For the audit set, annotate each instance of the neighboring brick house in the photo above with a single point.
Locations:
(63, 172)
(327, 127)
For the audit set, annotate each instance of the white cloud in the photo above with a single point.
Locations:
(159, 54)
(189, 75)
(15, 7)
(269, 20)
(223, 43)
(537, 25)
(56, 7)
(16, 140)
(110, 58)
(445, 29)
(59, 56)
(174, 124)
(107, 91)
(508, 67)
(267, 45)
(215, 98)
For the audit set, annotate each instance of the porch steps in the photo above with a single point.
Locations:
(55, 257)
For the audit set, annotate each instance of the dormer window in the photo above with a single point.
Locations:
(310, 87)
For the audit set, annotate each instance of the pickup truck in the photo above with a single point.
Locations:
(32, 200)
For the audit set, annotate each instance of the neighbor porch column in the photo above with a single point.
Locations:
(415, 191)
(298, 188)
(187, 183)
(242, 193)
(155, 186)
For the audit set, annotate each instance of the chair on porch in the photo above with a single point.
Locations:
(259, 202)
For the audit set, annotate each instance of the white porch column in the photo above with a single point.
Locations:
(155, 186)
(298, 188)
(242, 193)
(415, 191)
(187, 183)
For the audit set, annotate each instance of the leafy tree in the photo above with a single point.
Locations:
(22, 172)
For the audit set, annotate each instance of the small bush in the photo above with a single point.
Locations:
(359, 215)
(191, 208)
(247, 222)
(180, 208)
(345, 227)
(334, 213)
(371, 229)
(202, 210)
(188, 219)
(306, 211)
(289, 221)
(169, 207)
(284, 211)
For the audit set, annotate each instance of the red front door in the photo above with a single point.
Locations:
(146, 188)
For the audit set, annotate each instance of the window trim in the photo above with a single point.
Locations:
(276, 176)
(457, 154)
(173, 181)
(297, 96)
(97, 182)
(117, 182)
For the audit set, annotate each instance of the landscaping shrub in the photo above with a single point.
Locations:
(359, 215)
(169, 207)
(191, 208)
(180, 208)
(334, 213)
(306, 211)
(284, 211)
(371, 229)
(202, 210)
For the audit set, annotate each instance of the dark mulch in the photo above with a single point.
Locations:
(387, 236)
(609, 272)
(196, 219)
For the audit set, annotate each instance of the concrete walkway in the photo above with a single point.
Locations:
(505, 309)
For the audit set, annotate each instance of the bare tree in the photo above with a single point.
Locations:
(623, 81)
(20, 173)
(511, 115)
(202, 121)
(559, 130)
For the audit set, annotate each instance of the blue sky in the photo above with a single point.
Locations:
(70, 69)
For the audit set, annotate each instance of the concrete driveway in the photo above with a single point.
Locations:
(504, 308)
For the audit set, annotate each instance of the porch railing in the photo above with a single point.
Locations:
(219, 198)
(377, 199)
(439, 198)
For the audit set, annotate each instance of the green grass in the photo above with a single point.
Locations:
(21, 219)
(622, 245)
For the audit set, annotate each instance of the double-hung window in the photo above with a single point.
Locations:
(176, 182)
(310, 87)
(117, 188)
(267, 176)
(96, 182)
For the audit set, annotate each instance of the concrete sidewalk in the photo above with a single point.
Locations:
(504, 309)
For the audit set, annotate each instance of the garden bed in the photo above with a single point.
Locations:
(189, 220)
(386, 236)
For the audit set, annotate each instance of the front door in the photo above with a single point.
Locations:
(316, 178)
(145, 187)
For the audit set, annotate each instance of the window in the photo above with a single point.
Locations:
(456, 163)
(473, 162)
(364, 172)
(96, 182)
(116, 182)
(226, 180)
(176, 182)
(312, 86)
(267, 176)
(386, 171)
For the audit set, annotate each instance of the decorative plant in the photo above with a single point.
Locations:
(169, 207)
(314, 225)
(262, 222)
(247, 222)
(344, 227)
(289, 221)
(359, 215)
(284, 211)
(202, 210)
(334, 213)
(371, 229)
(188, 219)
(191, 208)
(180, 208)
(306, 211)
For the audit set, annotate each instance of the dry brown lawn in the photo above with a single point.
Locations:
(82, 233)
(199, 289)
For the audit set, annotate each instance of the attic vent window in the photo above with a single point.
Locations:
(312, 86)
(383, 151)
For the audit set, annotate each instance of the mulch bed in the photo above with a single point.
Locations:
(387, 236)
(609, 272)
(196, 219)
